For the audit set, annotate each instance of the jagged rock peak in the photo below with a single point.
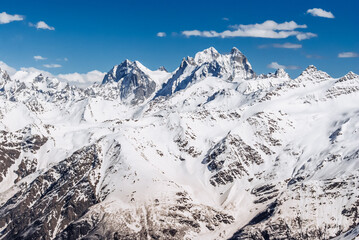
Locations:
(312, 73)
(4, 76)
(39, 78)
(235, 51)
(311, 68)
(208, 63)
(118, 71)
(162, 68)
(134, 85)
(349, 76)
(280, 73)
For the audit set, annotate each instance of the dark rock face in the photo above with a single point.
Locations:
(11, 147)
(162, 68)
(229, 160)
(241, 63)
(132, 81)
(54, 199)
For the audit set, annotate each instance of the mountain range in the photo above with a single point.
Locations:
(209, 151)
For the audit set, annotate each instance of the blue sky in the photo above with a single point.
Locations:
(99, 34)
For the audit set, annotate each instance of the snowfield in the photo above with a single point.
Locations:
(210, 151)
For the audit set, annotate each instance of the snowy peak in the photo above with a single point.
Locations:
(208, 63)
(235, 51)
(311, 73)
(310, 69)
(118, 71)
(134, 85)
(207, 55)
(240, 64)
(349, 76)
(281, 73)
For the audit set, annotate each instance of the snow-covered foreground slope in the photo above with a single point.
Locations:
(207, 152)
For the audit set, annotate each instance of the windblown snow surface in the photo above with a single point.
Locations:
(210, 151)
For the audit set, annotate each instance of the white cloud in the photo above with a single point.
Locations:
(7, 68)
(303, 36)
(348, 55)
(287, 45)
(83, 79)
(41, 25)
(225, 19)
(29, 73)
(53, 65)
(268, 29)
(276, 65)
(39, 58)
(7, 18)
(62, 59)
(282, 45)
(192, 33)
(161, 34)
(313, 56)
(318, 12)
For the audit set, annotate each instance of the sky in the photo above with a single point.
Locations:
(64, 37)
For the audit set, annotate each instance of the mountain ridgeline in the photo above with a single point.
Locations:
(209, 151)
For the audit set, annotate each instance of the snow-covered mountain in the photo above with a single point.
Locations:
(210, 151)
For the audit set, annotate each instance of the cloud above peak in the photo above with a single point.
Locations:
(267, 29)
(7, 18)
(41, 25)
(318, 12)
(276, 65)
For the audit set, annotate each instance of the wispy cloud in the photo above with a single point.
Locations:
(281, 45)
(37, 58)
(267, 29)
(7, 18)
(275, 65)
(318, 12)
(53, 65)
(42, 25)
(307, 35)
(348, 55)
(161, 34)
(62, 59)
(225, 19)
(313, 56)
